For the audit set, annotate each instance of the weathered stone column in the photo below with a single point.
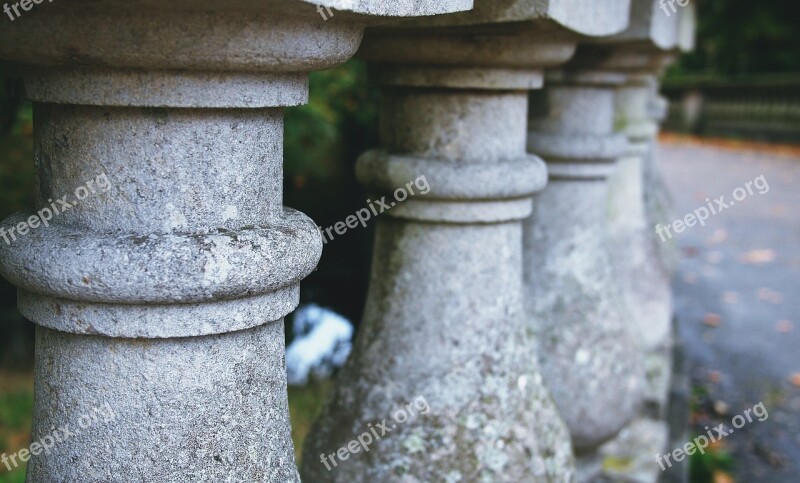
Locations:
(637, 55)
(644, 50)
(444, 318)
(590, 359)
(161, 294)
(640, 257)
(645, 282)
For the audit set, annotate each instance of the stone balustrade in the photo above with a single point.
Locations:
(455, 94)
(164, 296)
(641, 261)
(592, 363)
(528, 320)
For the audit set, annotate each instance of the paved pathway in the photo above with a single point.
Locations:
(737, 303)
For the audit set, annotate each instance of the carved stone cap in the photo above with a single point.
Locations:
(658, 25)
(206, 53)
(395, 8)
(514, 60)
(595, 17)
(631, 59)
(250, 35)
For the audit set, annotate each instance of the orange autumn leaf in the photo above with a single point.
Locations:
(722, 477)
(712, 320)
(716, 446)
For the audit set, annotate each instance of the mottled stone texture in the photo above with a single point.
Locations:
(208, 408)
(444, 318)
(587, 350)
(162, 295)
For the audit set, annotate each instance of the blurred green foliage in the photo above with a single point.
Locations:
(704, 467)
(744, 37)
(16, 176)
(16, 164)
(323, 140)
(340, 112)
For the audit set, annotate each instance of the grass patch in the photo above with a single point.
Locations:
(16, 413)
(305, 404)
(709, 467)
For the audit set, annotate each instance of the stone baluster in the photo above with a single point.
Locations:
(652, 42)
(641, 258)
(590, 359)
(638, 54)
(445, 317)
(159, 294)
(645, 283)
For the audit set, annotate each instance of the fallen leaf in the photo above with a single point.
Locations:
(712, 320)
(690, 252)
(784, 326)
(718, 445)
(714, 376)
(771, 296)
(756, 257)
(730, 297)
(719, 236)
(795, 379)
(768, 455)
(690, 278)
(722, 477)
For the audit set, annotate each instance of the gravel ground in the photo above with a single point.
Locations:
(736, 297)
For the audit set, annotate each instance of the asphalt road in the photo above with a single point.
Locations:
(736, 298)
